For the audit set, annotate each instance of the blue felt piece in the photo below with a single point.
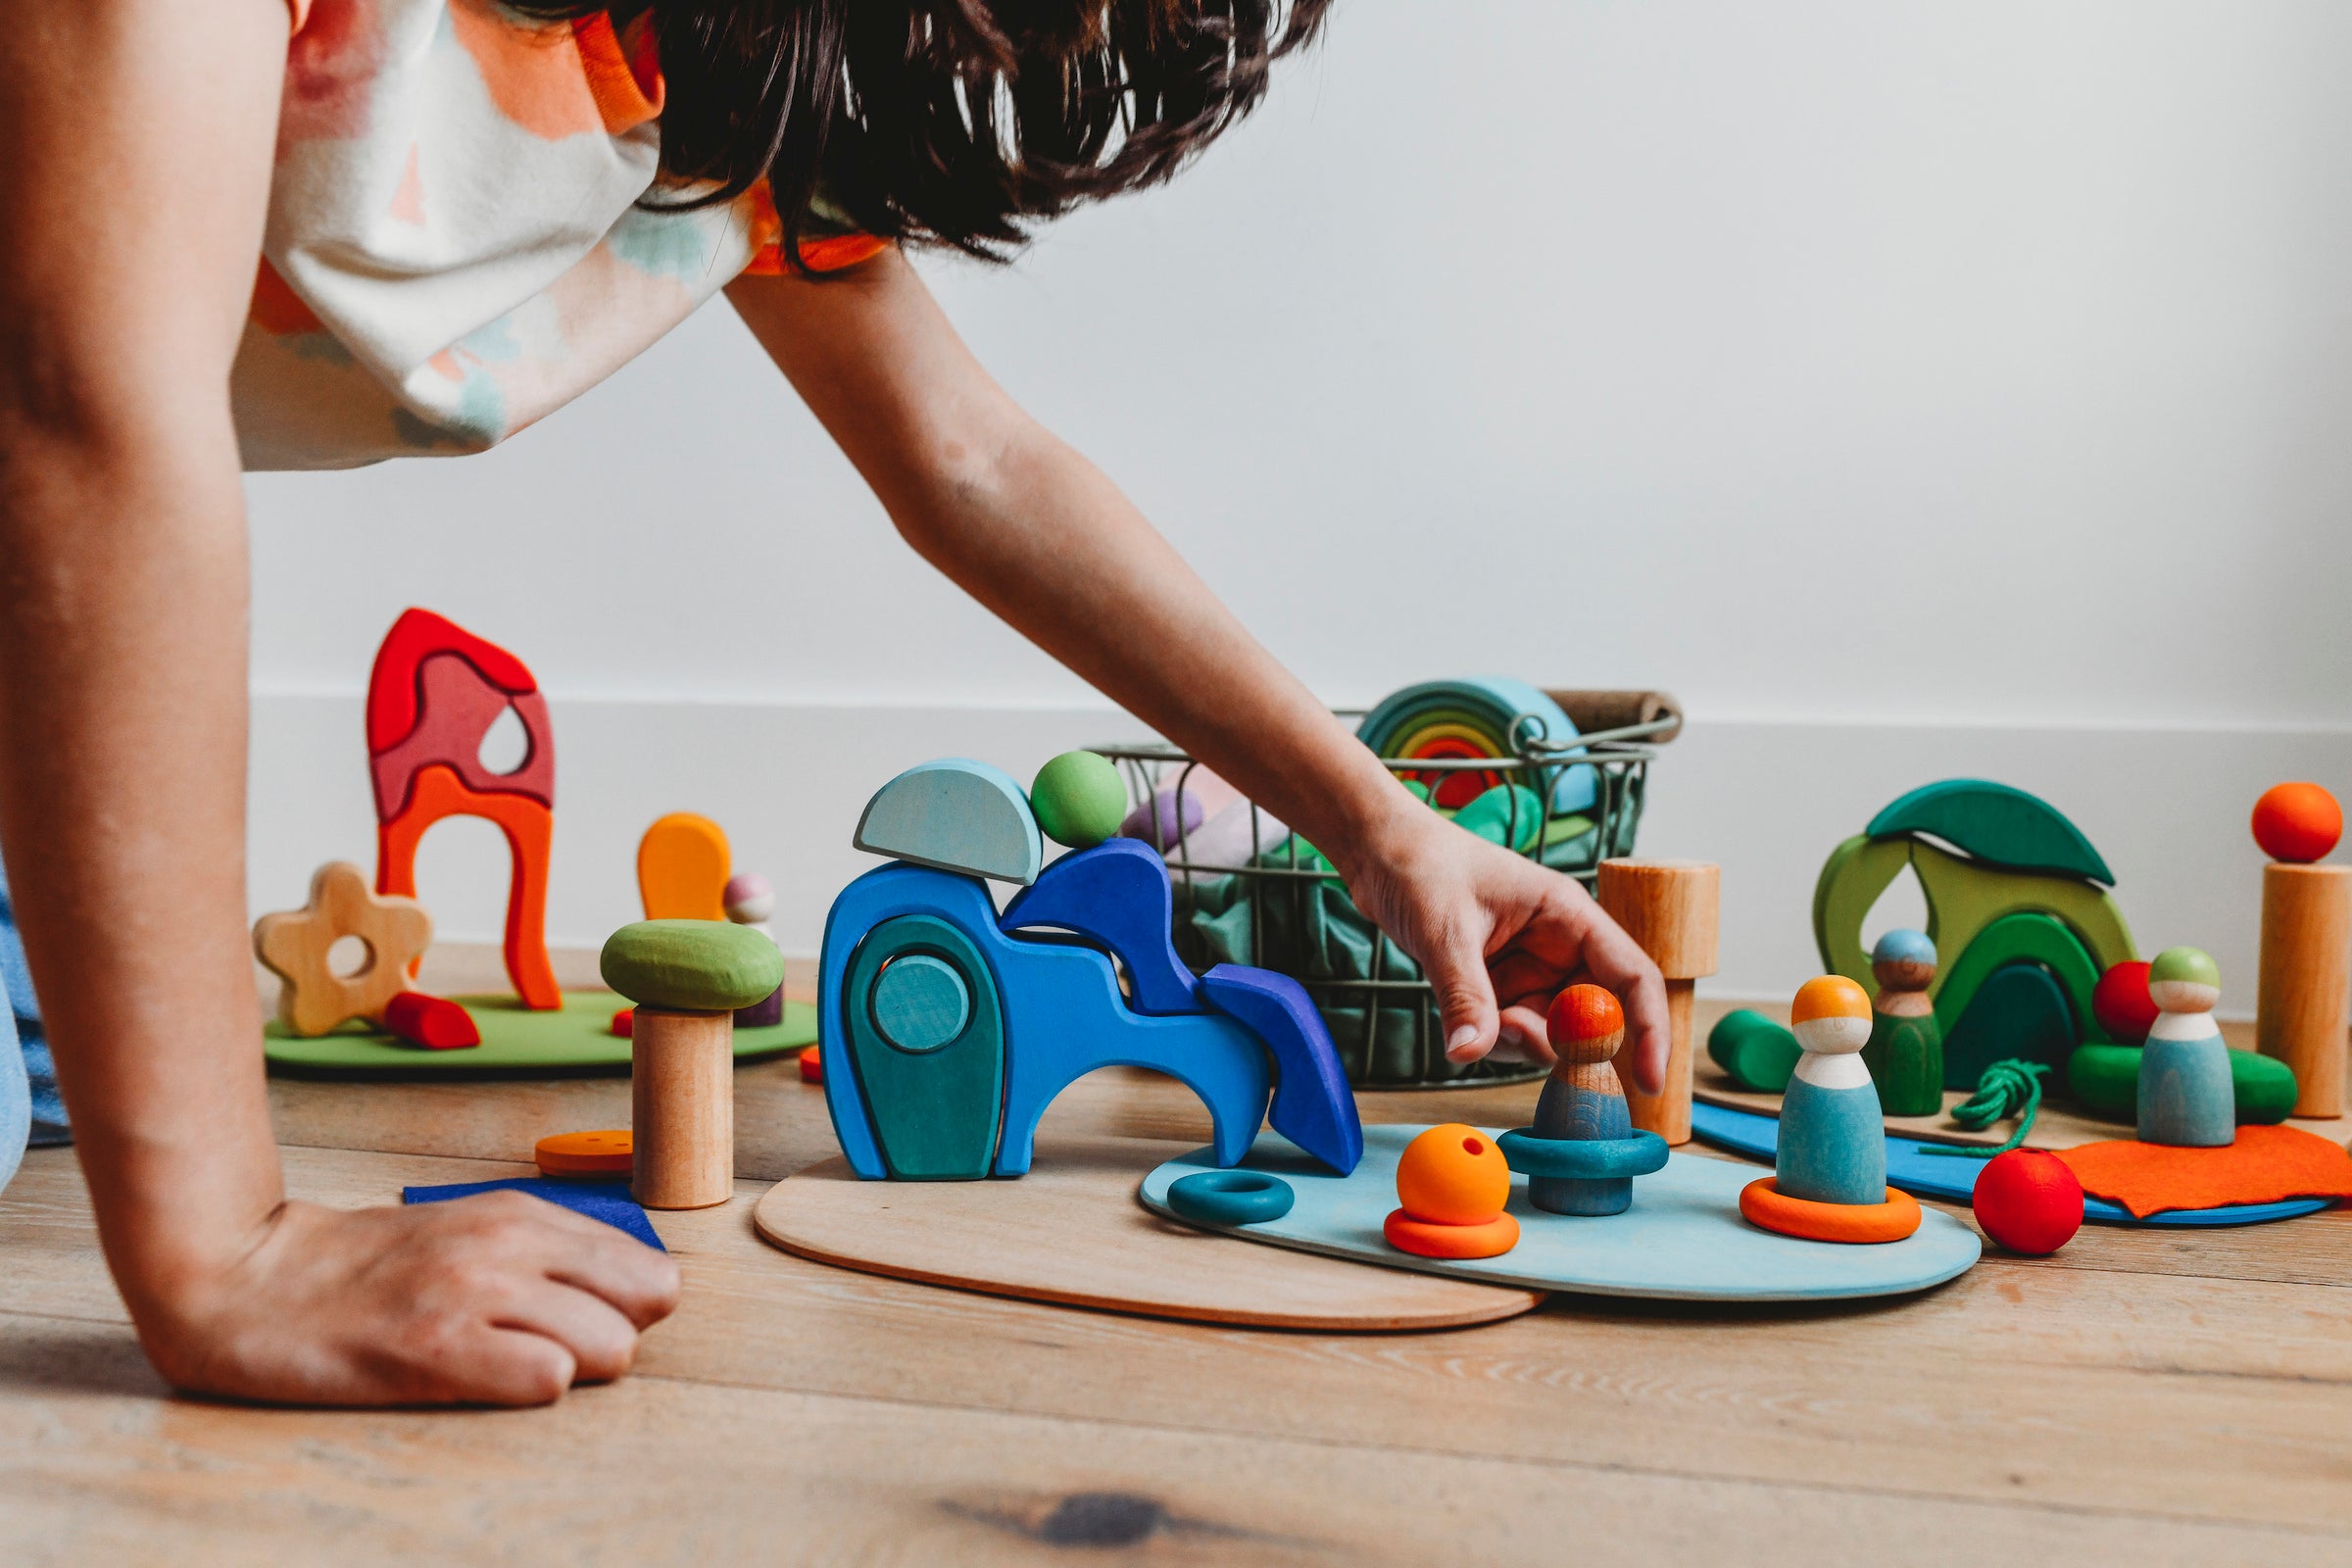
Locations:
(2186, 1093)
(1832, 1143)
(955, 814)
(1115, 894)
(1231, 1196)
(1313, 1107)
(1683, 1238)
(1954, 1180)
(609, 1201)
(1064, 1017)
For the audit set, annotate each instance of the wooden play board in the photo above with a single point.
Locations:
(1954, 1180)
(1682, 1240)
(1070, 1233)
(515, 1039)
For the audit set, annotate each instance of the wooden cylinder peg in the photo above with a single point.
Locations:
(682, 1107)
(2305, 1007)
(1671, 909)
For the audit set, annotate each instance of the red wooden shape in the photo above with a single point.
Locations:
(458, 707)
(418, 634)
(434, 1022)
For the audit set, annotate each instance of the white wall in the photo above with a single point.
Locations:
(1926, 390)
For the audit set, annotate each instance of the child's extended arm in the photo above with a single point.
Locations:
(139, 137)
(1040, 536)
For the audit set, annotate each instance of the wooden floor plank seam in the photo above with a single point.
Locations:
(1537, 1461)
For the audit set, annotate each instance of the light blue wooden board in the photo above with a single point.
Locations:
(1955, 1180)
(1683, 1239)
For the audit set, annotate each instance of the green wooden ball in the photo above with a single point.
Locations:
(1079, 799)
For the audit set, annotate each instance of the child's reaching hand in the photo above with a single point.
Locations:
(498, 1299)
(1499, 936)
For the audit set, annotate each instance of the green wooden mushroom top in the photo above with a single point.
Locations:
(691, 966)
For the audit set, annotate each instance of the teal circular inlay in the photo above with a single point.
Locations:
(920, 1002)
(1231, 1197)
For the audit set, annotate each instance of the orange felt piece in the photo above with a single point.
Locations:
(2266, 1166)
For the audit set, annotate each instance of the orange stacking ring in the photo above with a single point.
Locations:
(1426, 1238)
(1765, 1204)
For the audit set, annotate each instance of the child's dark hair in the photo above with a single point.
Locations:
(950, 121)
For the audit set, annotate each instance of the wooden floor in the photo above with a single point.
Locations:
(2156, 1396)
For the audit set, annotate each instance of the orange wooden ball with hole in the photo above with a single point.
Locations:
(1452, 1175)
(2298, 822)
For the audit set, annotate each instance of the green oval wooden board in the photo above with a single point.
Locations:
(516, 1041)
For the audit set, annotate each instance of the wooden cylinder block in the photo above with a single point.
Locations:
(682, 1103)
(1670, 908)
(2306, 1002)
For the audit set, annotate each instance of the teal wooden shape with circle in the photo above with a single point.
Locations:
(955, 814)
(1062, 1015)
(1683, 1239)
(934, 1105)
(922, 1002)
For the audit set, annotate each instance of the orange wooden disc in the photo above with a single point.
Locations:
(1423, 1239)
(1765, 1204)
(600, 1153)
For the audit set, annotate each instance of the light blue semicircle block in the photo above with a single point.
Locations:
(955, 814)
(1684, 1238)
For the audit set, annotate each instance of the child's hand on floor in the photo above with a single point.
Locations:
(1499, 936)
(498, 1298)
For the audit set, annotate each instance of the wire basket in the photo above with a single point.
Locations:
(1282, 907)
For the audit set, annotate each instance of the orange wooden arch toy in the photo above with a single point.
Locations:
(530, 830)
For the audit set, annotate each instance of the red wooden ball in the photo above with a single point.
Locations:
(2297, 822)
(2029, 1201)
(2122, 1003)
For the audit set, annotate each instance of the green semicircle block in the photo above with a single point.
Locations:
(1964, 896)
(2027, 936)
(1998, 824)
(2020, 1012)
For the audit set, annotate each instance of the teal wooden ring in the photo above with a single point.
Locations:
(1591, 1158)
(1230, 1198)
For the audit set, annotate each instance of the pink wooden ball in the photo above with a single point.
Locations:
(750, 898)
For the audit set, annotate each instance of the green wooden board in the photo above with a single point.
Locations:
(516, 1041)
(1997, 823)
(2027, 936)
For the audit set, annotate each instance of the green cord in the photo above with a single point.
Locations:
(2011, 1088)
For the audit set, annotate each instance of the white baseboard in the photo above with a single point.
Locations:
(1768, 800)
